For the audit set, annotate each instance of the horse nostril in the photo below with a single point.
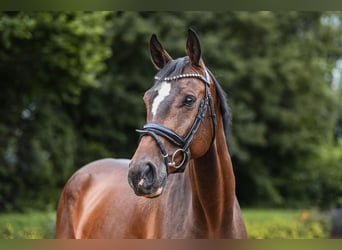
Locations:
(147, 176)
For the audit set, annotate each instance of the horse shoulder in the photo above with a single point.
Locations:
(81, 180)
(85, 180)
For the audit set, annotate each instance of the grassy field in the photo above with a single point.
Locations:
(261, 224)
(286, 224)
(33, 225)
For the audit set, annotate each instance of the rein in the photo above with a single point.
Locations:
(156, 130)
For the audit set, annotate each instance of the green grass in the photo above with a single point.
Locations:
(286, 224)
(33, 225)
(260, 223)
(256, 214)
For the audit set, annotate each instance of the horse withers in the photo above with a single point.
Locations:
(180, 179)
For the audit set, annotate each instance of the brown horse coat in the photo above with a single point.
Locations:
(98, 202)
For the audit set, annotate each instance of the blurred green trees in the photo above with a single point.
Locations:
(46, 61)
(72, 87)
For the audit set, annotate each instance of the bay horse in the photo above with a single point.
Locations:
(180, 179)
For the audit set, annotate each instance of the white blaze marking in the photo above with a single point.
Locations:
(163, 91)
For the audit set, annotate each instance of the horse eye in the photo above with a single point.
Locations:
(189, 100)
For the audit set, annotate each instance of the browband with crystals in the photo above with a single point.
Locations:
(192, 75)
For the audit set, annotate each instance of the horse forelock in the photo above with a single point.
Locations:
(172, 68)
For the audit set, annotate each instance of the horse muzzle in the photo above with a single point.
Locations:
(144, 179)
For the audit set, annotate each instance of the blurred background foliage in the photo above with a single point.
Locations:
(72, 86)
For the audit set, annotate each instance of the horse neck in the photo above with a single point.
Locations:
(213, 186)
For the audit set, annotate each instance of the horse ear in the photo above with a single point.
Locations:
(159, 56)
(193, 48)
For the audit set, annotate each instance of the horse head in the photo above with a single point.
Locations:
(180, 118)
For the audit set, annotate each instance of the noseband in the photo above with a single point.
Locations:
(156, 130)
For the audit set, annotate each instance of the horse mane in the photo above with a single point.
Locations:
(175, 67)
(225, 110)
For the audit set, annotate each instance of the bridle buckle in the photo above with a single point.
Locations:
(172, 164)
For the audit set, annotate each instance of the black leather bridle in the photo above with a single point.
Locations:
(156, 130)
